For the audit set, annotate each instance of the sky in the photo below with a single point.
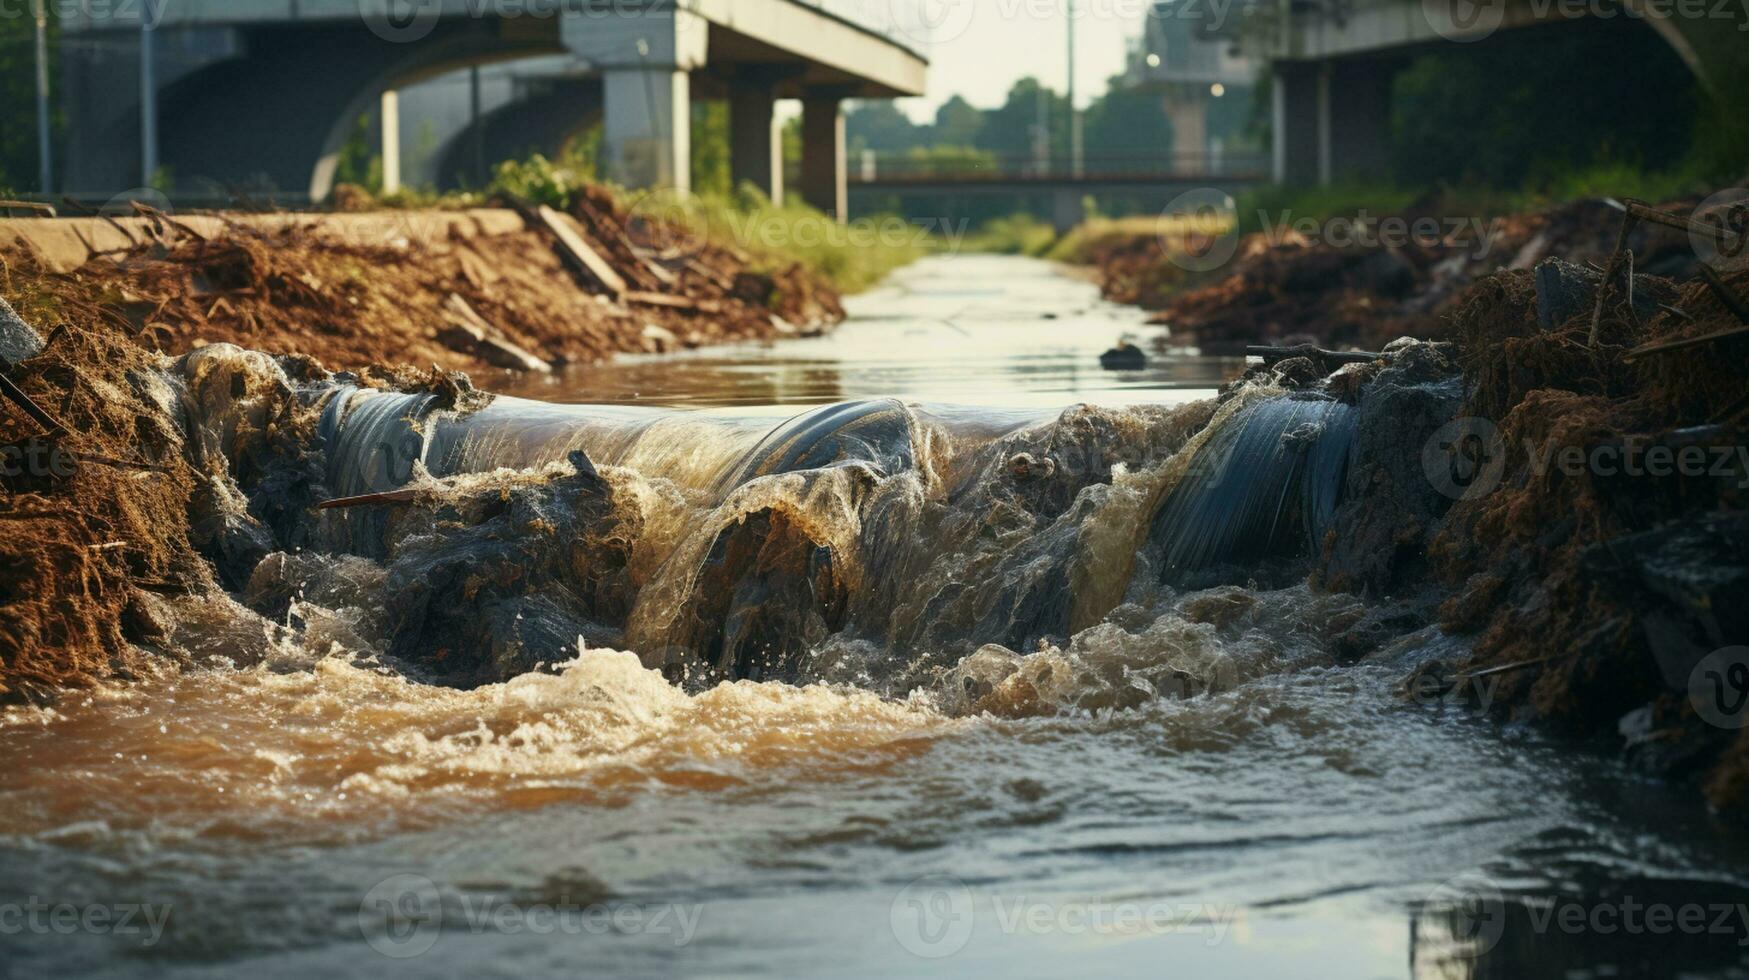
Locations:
(978, 48)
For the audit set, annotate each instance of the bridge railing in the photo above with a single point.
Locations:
(904, 168)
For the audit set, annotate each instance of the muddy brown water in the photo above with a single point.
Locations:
(318, 815)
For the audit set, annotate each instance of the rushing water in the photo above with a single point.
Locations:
(1072, 808)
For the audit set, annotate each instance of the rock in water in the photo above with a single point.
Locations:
(1123, 357)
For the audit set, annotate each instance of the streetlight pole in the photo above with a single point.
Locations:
(44, 151)
(1077, 156)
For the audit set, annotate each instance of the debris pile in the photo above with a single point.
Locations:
(566, 288)
(1361, 283)
(93, 505)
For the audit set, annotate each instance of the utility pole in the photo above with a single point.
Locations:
(148, 98)
(1077, 156)
(476, 139)
(45, 156)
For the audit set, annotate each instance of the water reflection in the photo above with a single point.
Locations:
(1032, 340)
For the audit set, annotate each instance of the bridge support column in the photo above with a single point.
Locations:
(1295, 122)
(645, 61)
(389, 113)
(1357, 110)
(825, 177)
(646, 131)
(1066, 211)
(1331, 120)
(755, 139)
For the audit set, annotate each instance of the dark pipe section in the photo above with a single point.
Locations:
(1265, 485)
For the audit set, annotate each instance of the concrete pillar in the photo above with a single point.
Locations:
(646, 131)
(389, 112)
(1187, 111)
(1358, 124)
(1294, 117)
(1323, 103)
(644, 61)
(825, 179)
(1066, 210)
(755, 139)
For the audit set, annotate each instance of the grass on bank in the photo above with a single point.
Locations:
(1275, 205)
(850, 257)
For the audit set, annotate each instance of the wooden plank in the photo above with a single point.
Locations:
(1685, 342)
(581, 256)
(469, 332)
(675, 302)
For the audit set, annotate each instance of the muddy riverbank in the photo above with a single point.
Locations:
(1348, 282)
(484, 291)
(1542, 503)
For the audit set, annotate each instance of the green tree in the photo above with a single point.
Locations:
(1126, 123)
(957, 123)
(1010, 131)
(1525, 109)
(878, 125)
(710, 148)
(18, 132)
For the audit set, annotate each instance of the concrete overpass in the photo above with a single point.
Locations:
(258, 97)
(1333, 61)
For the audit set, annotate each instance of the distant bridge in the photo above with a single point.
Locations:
(1130, 174)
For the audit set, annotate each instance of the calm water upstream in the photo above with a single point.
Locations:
(318, 815)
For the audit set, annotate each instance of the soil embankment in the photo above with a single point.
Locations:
(475, 290)
(1348, 283)
(1563, 489)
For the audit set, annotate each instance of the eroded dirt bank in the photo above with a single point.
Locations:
(1353, 283)
(106, 499)
(477, 291)
(1571, 505)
